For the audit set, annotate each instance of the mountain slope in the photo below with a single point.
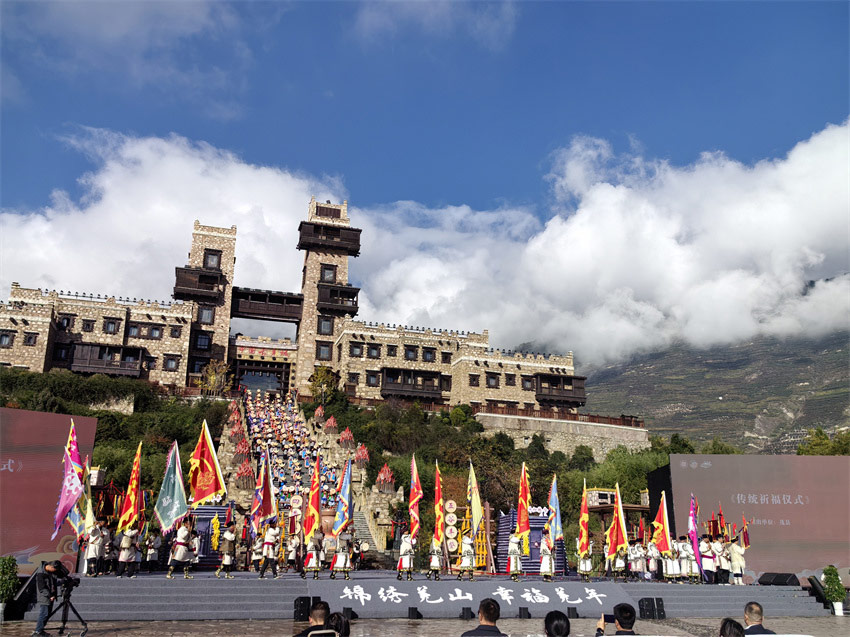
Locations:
(757, 395)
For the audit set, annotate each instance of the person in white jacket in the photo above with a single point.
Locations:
(94, 547)
(270, 542)
(515, 557)
(547, 557)
(127, 555)
(467, 558)
(182, 550)
(738, 563)
(435, 560)
(585, 563)
(153, 542)
(405, 560)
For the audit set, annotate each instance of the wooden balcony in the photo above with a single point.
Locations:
(321, 237)
(107, 359)
(411, 385)
(192, 283)
(565, 390)
(338, 298)
(266, 305)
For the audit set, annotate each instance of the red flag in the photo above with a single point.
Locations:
(523, 523)
(439, 519)
(722, 522)
(745, 534)
(661, 527)
(229, 517)
(132, 500)
(205, 477)
(640, 534)
(313, 518)
(616, 533)
(415, 497)
(583, 521)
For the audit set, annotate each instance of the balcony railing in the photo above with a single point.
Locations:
(313, 235)
(266, 305)
(338, 298)
(429, 392)
(197, 282)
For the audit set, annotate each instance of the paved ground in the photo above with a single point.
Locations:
(816, 627)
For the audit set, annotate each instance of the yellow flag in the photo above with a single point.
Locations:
(473, 499)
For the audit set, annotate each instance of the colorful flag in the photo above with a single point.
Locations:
(264, 505)
(523, 522)
(661, 527)
(88, 506)
(616, 534)
(313, 517)
(722, 522)
(641, 532)
(216, 532)
(205, 478)
(439, 514)
(70, 492)
(415, 497)
(554, 521)
(74, 451)
(343, 503)
(745, 533)
(693, 533)
(171, 505)
(473, 501)
(583, 522)
(133, 498)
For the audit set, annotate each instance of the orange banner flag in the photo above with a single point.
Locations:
(205, 477)
(439, 514)
(132, 500)
(583, 522)
(523, 523)
(616, 534)
(661, 527)
(415, 497)
(313, 518)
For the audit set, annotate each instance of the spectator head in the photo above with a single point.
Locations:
(624, 616)
(753, 613)
(730, 628)
(319, 613)
(488, 611)
(337, 622)
(556, 624)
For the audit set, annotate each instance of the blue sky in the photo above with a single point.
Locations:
(427, 104)
(598, 177)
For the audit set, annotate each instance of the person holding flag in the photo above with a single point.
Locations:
(737, 561)
(408, 540)
(616, 536)
(227, 546)
(435, 551)
(661, 547)
(128, 548)
(271, 538)
(312, 522)
(342, 555)
(181, 550)
(547, 557)
(584, 545)
(94, 548)
(515, 557)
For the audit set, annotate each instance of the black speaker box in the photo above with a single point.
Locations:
(349, 613)
(466, 613)
(646, 606)
(572, 613)
(302, 609)
(659, 609)
(523, 612)
(413, 613)
(767, 579)
(786, 579)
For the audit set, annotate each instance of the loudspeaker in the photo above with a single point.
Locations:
(767, 579)
(647, 608)
(779, 579)
(466, 613)
(572, 612)
(659, 609)
(413, 613)
(523, 612)
(314, 600)
(302, 609)
(349, 613)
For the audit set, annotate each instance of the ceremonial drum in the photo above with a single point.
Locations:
(451, 545)
(451, 519)
(451, 531)
(296, 503)
(451, 506)
(364, 546)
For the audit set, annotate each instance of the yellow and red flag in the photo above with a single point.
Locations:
(583, 522)
(205, 477)
(616, 534)
(661, 527)
(313, 518)
(523, 523)
(721, 521)
(439, 515)
(415, 497)
(133, 498)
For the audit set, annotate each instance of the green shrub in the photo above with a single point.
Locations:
(8, 578)
(833, 589)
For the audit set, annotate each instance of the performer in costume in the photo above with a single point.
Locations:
(608, 561)
(720, 550)
(94, 547)
(127, 556)
(342, 557)
(672, 570)
(311, 561)
(227, 546)
(405, 560)
(737, 561)
(435, 560)
(181, 550)
(654, 561)
(257, 552)
(356, 554)
(292, 546)
(585, 564)
(153, 542)
(196, 549)
(707, 557)
(270, 540)
(638, 560)
(692, 571)
(515, 557)
(547, 558)
(467, 558)
(620, 563)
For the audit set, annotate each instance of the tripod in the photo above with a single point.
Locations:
(64, 607)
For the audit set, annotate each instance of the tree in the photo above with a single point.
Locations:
(215, 379)
(717, 446)
(582, 459)
(323, 384)
(818, 443)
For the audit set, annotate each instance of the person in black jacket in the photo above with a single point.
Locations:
(624, 620)
(753, 617)
(46, 587)
(488, 614)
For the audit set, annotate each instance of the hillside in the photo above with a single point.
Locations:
(759, 395)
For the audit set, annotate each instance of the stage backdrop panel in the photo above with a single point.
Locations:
(31, 447)
(798, 506)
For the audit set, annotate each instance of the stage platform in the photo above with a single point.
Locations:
(377, 594)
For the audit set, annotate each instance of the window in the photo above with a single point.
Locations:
(88, 325)
(150, 362)
(473, 380)
(328, 273)
(212, 259)
(323, 351)
(198, 365)
(155, 332)
(326, 325)
(429, 355)
(528, 406)
(392, 350)
(353, 378)
(510, 380)
(372, 379)
(30, 338)
(528, 383)
(130, 357)
(374, 351)
(446, 357)
(176, 330)
(203, 341)
(206, 315)
(7, 339)
(133, 330)
(110, 326)
(66, 321)
(446, 383)
(411, 352)
(61, 352)
(492, 381)
(171, 363)
(355, 350)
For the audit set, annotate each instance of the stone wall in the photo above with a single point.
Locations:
(566, 435)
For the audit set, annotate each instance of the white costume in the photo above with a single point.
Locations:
(672, 568)
(585, 564)
(547, 560)
(654, 556)
(128, 546)
(405, 560)
(707, 557)
(514, 556)
(183, 545)
(435, 557)
(270, 541)
(311, 560)
(95, 548)
(228, 548)
(257, 550)
(738, 563)
(342, 558)
(292, 550)
(467, 557)
(152, 545)
(196, 549)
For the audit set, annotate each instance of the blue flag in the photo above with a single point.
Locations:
(554, 522)
(343, 505)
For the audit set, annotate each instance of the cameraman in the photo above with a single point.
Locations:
(47, 585)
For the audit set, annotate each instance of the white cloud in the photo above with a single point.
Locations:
(637, 253)
(491, 24)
